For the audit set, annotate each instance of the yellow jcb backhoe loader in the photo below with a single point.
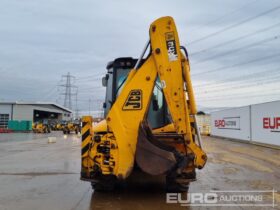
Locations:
(72, 127)
(150, 120)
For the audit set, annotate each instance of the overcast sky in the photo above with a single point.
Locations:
(234, 42)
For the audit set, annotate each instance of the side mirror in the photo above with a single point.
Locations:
(104, 105)
(105, 80)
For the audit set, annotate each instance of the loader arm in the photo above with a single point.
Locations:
(123, 142)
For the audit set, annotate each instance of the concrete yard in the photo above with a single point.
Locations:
(35, 174)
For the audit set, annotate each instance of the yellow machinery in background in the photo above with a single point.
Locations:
(150, 117)
(60, 125)
(41, 127)
(56, 125)
(72, 127)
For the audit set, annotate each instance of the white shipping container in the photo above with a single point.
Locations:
(265, 119)
(231, 123)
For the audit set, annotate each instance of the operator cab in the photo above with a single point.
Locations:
(117, 72)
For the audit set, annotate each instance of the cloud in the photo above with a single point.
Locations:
(42, 40)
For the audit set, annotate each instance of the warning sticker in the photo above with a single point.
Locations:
(171, 46)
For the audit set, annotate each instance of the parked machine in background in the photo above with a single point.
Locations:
(150, 118)
(59, 126)
(41, 127)
(74, 126)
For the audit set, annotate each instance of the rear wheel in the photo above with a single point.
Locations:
(177, 184)
(102, 187)
(106, 184)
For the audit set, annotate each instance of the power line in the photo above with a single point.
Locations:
(89, 76)
(89, 80)
(241, 97)
(275, 91)
(236, 39)
(225, 15)
(50, 93)
(91, 88)
(234, 25)
(233, 87)
(260, 82)
(265, 88)
(239, 78)
(239, 49)
(236, 65)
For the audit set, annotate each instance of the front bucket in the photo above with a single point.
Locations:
(152, 156)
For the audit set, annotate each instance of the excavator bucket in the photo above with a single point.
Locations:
(152, 156)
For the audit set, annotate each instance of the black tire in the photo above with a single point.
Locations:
(177, 185)
(64, 131)
(102, 187)
(106, 184)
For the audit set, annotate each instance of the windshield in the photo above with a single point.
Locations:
(120, 80)
(115, 83)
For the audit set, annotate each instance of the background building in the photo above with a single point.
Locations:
(32, 112)
(259, 123)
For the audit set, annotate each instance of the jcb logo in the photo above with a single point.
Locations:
(133, 101)
(171, 46)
